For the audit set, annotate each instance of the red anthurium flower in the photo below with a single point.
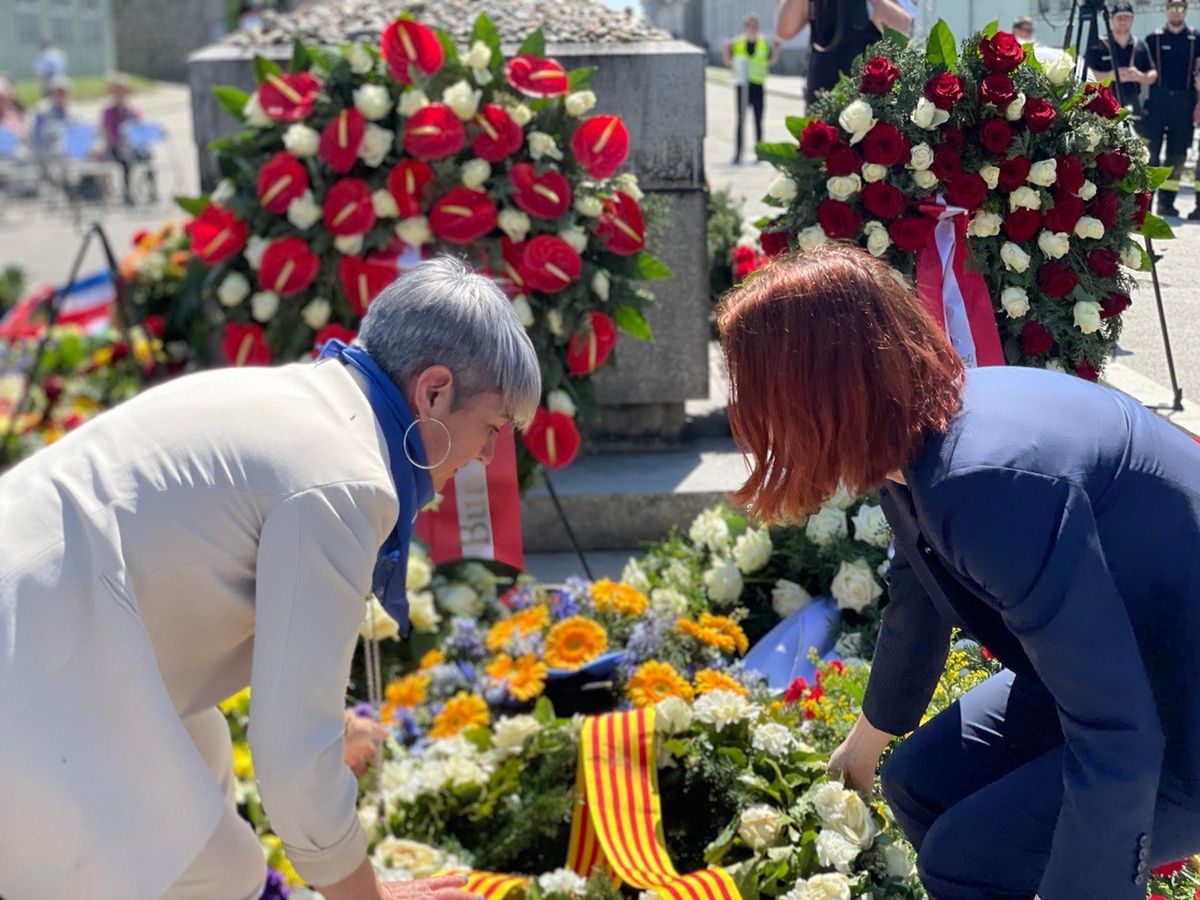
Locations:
(536, 76)
(600, 143)
(331, 331)
(621, 226)
(546, 196)
(341, 138)
(216, 234)
(244, 345)
(549, 263)
(281, 180)
(288, 266)
(513, 253)
(348, 207)
(363, 279)
(462, 215)
(1168, 869)
(588, 349)
(407, 43)
(407, 183)
(289, 96)
(434, 132)
(499, 134)
(552, 438)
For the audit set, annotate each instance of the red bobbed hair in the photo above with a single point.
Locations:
(837, 374)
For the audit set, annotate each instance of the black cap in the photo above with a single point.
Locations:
(1121, 6)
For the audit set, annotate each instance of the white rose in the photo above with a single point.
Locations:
(871, 526)
(1055, 244)
(373, 101)
(1055, 366)
(1043, 173)
(825, 886)
(304, 211)
(872, 172)
(723, 582)
(375, 146)
(459, 600)
(475, 172)
(1015, 259)
(1024, 198)
(710, 531)
(420, 571)
(560, 401)
(858, 119)
(924, 179)
(316, 314)
(542, 144)
(348, 244)
(523, 310)
(672, 715)
(627, 182)
(782, 189)
(256, 246)
(898, 860)
(759, 826)
(588, 205)
(772, 739)
(235, 288)
(361, 62)
(414, 231)
(753, 550)
(576, 238)
(829, 802)
(928, 116)
(1131, 257)
(855, 822)
(256, 116)
(878, 240)
(811, 237)
(843, 187)
(787, 597)
(580, 102)
(1089, 227)
(600, 284)
(478, 57)
(384, 625)
(554, 321)
(920, 157)
(412, 100)
(462, 99)
(1087, 316)
(419, 860)
(421, 612)
(991, 176)
(264, 305)
(854, 586)
(1062, 68)
(521, 114)
(1088, 191)
(834, 850)
(1015, 302)
(984, 224)
(721, 707)
(223, 192)
(668, 601)
(514, 223)
(562, 881)
(826, 526)
(510, 733)
(1015, 109)
(384, 204)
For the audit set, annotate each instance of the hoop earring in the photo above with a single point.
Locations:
(445, 455)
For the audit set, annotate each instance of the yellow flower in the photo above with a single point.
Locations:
(654, 681)
(718, 631)
(239, 703)
(243, 766)
(712, 680)
(613, 595)
(462, 711)
(498, 635)
(528, 678)
(501, 667)
(527, 621)
(573, 642)
(432, 658)
(727, 627)
(408, 691)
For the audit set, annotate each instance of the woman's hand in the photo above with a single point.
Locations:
(363, 737)
(443, 887)
(857, 758)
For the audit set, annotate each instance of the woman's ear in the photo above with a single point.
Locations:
(433, 392)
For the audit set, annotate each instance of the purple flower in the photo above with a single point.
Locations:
(363, 709)
(563, 605)
(579, 590)
(276, 888)
(519, 598)
(465, 640)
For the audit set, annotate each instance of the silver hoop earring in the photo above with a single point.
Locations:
(445, 455)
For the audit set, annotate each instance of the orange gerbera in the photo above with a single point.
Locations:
(527, 621)
(405, 693)
(705, 635)
(616, 595)
(500, 667)
(727, 627)
(711, 680)
(528, 678)
(462, 711)
(500, 633)
(432, 658)
(573, 642)
(654, 681)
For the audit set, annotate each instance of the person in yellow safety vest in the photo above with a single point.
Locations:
(749, 55)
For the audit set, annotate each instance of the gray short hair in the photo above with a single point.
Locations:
(442, 313)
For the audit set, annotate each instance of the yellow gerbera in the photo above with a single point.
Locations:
(711, 680)
(615, 595)
(705, 635)
(408, 691)
(727, 627)
(432, 658)
(531, 619)
(573, 642)
(498, 635)
(528, 678)
(462, 711)
(654, 681)
(500, 667)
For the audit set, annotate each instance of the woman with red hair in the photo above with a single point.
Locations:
(1055, 520)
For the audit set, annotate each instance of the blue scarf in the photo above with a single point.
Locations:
(414, 486)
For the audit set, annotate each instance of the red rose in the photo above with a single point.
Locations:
(600, 143)
(1086, 370)
(879, 74)
(348, 207)
(552, 438)
(967, 191)
(774, 241)
(1103, 103)
(954, 138)
(244, 345)
(288, 266)
(1056, 279)
(363, 279)
(817, 139)
(745, 261)
(620, 225)
(1039, 115)
(1168, 869)
(462, 215)
(1022, 224)
(341, 138)
(884, 145)
(1069, 174)
(546, 196)
(434, 132)
(536, 76)
(1104, 262)
(1114, 303)
(838, 219)
(407, 183)
(549, 264)
(1065, 214)
(1002, 52)
(589, 348)
(911, 233)
(947, 162)
(216, 234)
(842, 160)
(883, 201)
(1141, 206)
(154, 325)
(1013, 172)
(1104, 208)
(996, 135)
(288, 96)
(1114, 165)
(281, 180)
(499, 135)
(407, 43)
(998, 90)
(329, 333)
(944, 90)
(1035, 338)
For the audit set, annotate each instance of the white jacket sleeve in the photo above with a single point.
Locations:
(316, 554)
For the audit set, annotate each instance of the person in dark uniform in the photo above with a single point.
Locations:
(1125, 59)
(1171, 107)
(841, 30)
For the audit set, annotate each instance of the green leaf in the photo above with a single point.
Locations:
(301, 58)
(580, 79)
(896, 38)
(940, 49)
(632, 322)
(651, 268)
(1031, 58)
(264, 67)
(991, 28)
(448, 45)
(796, 125)
(193, 205)
(1154, 227)
(485, 31)
(1157, 175)
(233, 100)
(734, 755)
(543, 710)
(534, 45)
(777, 153)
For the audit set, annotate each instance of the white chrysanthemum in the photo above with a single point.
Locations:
(373, 101)
(304, 211)
(627, 183)
(668, 602)
(377, 623)
(710, 531)
(635, 576)
(360, 59)
(316, 313)
(854, 586)
(511, 733)
(421, 612)
(826, 526)
(562, 881)
(723, 582)
(721, 708)
(234, 288)
(672, 715)
(825, 886)
(787, 597)
(753, 549)
(773, 739)
(835, 850)
(1015, 301)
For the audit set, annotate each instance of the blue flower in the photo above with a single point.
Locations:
(465, 640)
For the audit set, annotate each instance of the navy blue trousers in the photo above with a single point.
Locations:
(978, 788)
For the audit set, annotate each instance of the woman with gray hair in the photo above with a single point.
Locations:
(214, 532)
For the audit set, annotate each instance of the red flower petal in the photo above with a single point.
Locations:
(536, 76)
(330, 331)
(216, 234)
(341, 139)
(363, 279)
(348, 207)
(621, 225)
(407, 43)
(281, 180)
(434, 132)
(587, 350)
(552, 438)
(407, 183)
(600, 143)
(546, 196)
(549, 263)
(288, 266)
(462, 215)
(244, 345)
(499, 134)
(513, 253)
(288, 96)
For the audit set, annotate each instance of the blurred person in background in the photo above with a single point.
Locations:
(49, 65)
(1171, 110)
(12, 116)
(750, 55)
(117, 147)
(1124, 59)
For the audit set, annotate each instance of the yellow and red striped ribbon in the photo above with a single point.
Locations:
(489, 885)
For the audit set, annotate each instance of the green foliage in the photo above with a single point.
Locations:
(12, 286)
(724, 229)
(941, 49)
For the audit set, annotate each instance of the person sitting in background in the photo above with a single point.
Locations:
(116, 144)
(52, 116)
(12, 116)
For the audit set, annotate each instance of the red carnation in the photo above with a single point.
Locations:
(1086, 370)
(774, 242)
(1113, 165)
(883, 201)
(244, 345)
(1039, 115)
(944, 90)
(620, 225)
(407, 43)
(288, 266)
(1002, 52)
(499, 134)
(288, 96)
(348, 207)
(947, 162)
(838, 219)
(1035, 338)
(1114, 303)
(330, 332)
(967, 191)
(589, 348)
(434, 132)
(1069, 174)
(341, 139)
(1022, 224)
(600, 143)
(1065, 214)
(407, 183)
(363, 279)
(1013, 172)
(281, 180)
(817, 139)
(546, 196)
(1103, 103)
(879, 74)
(884, 145)
(216, 234)
(911, 233)
(996, 135)
(536, 76)
(462, 215)
(1103, 262)
(1104, 208)
(998, 90)
(843, 160)
(1056, 279)
(549, 264)
(1141, 206)
(552, 438)
(795, 690)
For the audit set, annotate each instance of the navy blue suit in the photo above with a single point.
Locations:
(1059, 523)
